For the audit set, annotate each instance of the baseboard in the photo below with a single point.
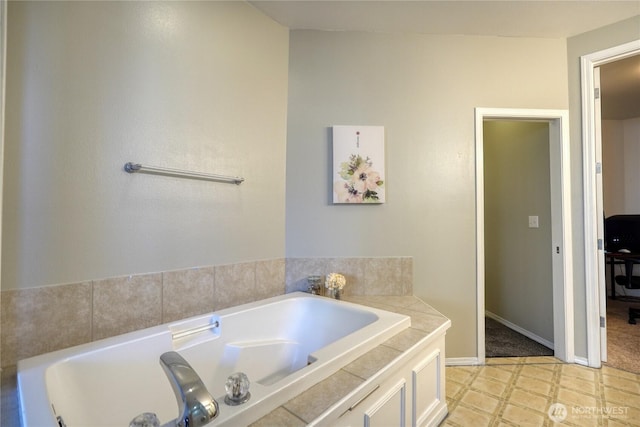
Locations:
(461, 361)
(520, 330)
(581, 361)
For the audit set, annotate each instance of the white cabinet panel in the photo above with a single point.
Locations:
(410, 392)
(389, 410)
(426, 388)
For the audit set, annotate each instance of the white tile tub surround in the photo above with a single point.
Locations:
(251, 338)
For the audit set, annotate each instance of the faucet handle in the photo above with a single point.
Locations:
(146, 419)
(237, 388)
(315, 284)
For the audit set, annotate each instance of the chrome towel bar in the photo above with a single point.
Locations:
(137, 167)
(196, 330)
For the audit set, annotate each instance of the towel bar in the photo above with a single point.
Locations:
(137, 167)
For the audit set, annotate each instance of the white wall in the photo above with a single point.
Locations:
(423, 89)
(583, 44)
(92, 85)
(620, 154)
(620, 174)
(518, 274)
(631, 138)
(613, 181)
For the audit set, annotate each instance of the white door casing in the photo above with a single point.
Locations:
(562, 248)
(597, 121)
(595, 285)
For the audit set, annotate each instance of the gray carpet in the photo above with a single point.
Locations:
(623, 339)
(501, 341)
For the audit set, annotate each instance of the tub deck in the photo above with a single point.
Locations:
(426, 322)
(311, 358)
(310, 404)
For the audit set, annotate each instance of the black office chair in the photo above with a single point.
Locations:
(623, 232)
(630, 281)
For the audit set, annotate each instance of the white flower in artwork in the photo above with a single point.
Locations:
(361, 183)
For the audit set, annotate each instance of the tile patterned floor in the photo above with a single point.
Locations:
(520, 391)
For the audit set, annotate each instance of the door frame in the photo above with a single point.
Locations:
(563, 323)
(595, 281)
(3, 76)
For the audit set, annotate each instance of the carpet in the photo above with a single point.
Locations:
(623, 339)
(501, 341)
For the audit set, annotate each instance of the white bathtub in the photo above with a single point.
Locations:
(284, 344)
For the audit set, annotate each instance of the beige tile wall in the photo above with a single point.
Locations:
(40, 320)
(365, 276)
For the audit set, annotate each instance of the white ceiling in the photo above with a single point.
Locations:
(507, 18)
(513, 18)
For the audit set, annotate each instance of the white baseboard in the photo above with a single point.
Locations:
(461, 361)
(519, 330)
(581, 361)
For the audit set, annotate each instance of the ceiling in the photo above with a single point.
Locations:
(513, 18)
(506, 18)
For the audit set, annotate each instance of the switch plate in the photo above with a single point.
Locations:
(533, 222)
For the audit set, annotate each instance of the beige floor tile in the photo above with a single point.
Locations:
(523, 417)
(524, 400)
(542, 360)
(573, 398)
(452, 388)
(459, 374)
(496, 373)
(505, 361)
(464, 416)
(534, 401)
(616, 423)
(537, 372)
(630, 385)
(630, 414)
(481, 401)
(533, 385)
(579, 372)
(614, 397)
(606, 370)
(525, 391)
(578, 384)
(490, 386)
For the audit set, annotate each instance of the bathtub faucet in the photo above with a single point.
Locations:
(197, 406)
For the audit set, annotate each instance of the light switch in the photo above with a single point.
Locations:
(533, 222)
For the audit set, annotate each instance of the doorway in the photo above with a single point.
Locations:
(560, 249)
(518, 262)
(593, 199)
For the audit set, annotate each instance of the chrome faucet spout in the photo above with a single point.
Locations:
(197, 406)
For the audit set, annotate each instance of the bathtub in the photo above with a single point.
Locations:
(284, 344)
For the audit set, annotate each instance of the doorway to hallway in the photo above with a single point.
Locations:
(518, 262)
(557, 249)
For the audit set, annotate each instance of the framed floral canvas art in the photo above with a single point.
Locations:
(358, 164)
